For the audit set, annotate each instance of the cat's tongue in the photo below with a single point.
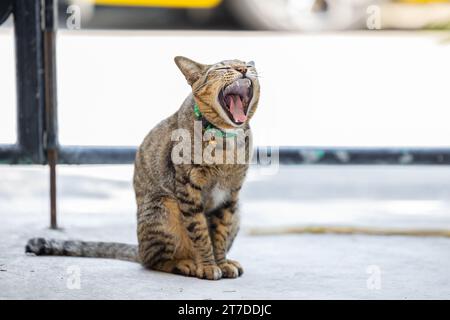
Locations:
(236, 108)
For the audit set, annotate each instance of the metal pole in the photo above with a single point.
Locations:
(286, 155)
(52, 160)
(5, 10)
(51, 127)
(30, 80)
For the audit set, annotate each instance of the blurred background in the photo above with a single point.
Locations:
(353, 73)
(286, 15)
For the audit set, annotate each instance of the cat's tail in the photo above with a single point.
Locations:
(110, 250)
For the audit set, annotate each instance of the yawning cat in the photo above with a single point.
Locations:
(187, 206)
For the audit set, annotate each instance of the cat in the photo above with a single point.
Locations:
(187, 211)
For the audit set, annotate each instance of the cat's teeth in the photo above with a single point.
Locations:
(246, 82)
(238, 87)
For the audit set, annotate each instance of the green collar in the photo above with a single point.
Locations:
(219, 133)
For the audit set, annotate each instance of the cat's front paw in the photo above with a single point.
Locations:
(231, 269)
(210, 272)
(186, 268)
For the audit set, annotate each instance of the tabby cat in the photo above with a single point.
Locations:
(187, 214)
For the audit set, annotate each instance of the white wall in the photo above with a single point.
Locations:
(348, 89)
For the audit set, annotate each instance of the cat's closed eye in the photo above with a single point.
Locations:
(222, 68)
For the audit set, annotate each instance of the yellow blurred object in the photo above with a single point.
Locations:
(423, 1)
(413, 16)
(161, 3)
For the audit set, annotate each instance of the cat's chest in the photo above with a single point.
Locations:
(219, 195)
(225, 179)
(216, 196)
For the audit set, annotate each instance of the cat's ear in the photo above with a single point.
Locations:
(191, 70)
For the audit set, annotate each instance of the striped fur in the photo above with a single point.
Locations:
(110, 250)
(187, 213)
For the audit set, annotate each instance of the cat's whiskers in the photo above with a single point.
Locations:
(253, 74)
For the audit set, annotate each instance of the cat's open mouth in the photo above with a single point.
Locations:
(235, 99)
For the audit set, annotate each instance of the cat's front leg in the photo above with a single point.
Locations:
(224, 225)
(189, 188)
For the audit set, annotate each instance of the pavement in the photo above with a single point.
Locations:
(96, 203)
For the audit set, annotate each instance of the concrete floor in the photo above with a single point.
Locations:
(96, 203)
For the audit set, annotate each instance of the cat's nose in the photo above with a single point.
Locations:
(241, 69)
